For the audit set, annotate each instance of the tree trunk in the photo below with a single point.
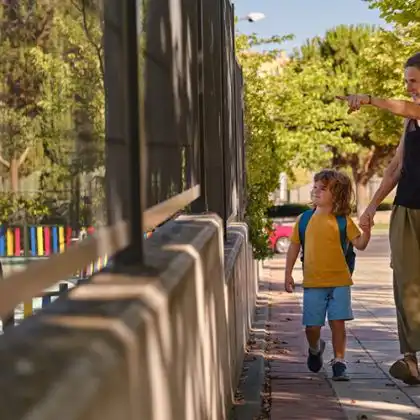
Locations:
(14, 175)
(362, 197)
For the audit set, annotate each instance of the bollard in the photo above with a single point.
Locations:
(63, 287)
(9, 321)
(46, 300)
(27, 309)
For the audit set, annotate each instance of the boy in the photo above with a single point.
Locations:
(327, 266)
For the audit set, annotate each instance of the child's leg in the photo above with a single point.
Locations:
(313, 335)
(339, 311)
(338, 329)
(314, 312)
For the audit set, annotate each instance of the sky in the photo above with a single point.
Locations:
(303, 18)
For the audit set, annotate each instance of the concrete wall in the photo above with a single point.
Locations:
(158, 343)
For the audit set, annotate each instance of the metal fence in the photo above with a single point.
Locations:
(173, 124)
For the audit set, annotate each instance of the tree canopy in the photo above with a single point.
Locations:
(265, 159)
(403, 12)
(318, 127)
(52, 99)
(294, 120)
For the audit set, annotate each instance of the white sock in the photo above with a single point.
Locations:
(413, 355)
(316, 349)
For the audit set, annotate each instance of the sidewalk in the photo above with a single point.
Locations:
(292, 392)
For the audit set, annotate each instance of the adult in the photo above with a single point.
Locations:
(404, 172)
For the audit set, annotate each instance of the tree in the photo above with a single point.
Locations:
(24, 27)
(74, 138)
(264, 159)
(402, 12)
(319, 128)
(402, 41)
(77, 145)
(52, 101)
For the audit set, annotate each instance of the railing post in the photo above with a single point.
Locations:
(26, 239)
(212, 122)
(224, 122)
(124, 153)
(8, 321)
(132, 125)
(234, 108)
(201, 204)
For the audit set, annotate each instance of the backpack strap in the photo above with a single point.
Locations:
(303, 224)
(342, 226)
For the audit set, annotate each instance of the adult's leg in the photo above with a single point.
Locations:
(405, 254)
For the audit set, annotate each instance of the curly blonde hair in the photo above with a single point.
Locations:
(341, 189)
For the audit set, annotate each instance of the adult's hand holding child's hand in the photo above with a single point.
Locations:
(366, 221)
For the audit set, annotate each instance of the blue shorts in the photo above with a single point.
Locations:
(318, 302)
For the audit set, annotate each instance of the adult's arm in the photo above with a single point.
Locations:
(406, 109)
(391, 175)
(399, 107)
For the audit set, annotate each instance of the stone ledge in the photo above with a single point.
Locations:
(138, 342)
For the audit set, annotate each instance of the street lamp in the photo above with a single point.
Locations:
(253, 17)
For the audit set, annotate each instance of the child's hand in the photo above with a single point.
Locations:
(366, 228)
(289, 283)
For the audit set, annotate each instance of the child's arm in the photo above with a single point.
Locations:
(361, 241)
(292, 254)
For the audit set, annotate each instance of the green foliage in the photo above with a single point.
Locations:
(265, 160)
(287, 210)
(22, 209)
(392, 48)
(294, 120)
(402, 12)
(384, 206)
(316, 126)
(52, 101)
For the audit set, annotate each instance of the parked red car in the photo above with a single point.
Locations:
(279, 239)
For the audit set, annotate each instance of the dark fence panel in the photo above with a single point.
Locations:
(223, 119)
(213, 106)
(171, 98)
(144, 106)
(191, 104)
(153, 119)
(240, 142)
(229, 112)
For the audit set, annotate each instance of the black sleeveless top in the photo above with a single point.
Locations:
(408, 190)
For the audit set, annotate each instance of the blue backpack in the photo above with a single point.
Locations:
(347, 246)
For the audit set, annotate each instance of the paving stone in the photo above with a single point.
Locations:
(372, 347)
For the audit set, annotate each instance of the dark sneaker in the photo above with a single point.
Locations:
(406, 370)
(315, 361)
(339, 372)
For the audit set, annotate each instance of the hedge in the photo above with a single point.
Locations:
(287, 210)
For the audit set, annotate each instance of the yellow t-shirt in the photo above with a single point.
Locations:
(325, 264)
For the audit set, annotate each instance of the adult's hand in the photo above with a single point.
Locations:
(355, 101)
(366, 219)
